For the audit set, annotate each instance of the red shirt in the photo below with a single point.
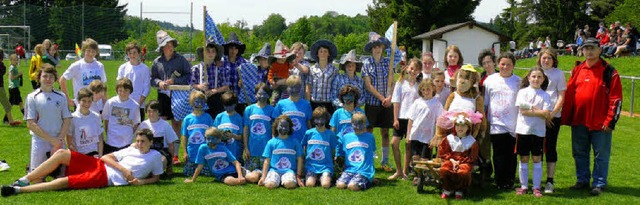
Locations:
(588, 101)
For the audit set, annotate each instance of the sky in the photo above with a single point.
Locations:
(256, 11)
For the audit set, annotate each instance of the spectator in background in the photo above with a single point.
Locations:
(547, 42)
(629, 40)
(587, 31)
(20, 51)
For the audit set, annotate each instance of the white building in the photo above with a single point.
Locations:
(471, 37)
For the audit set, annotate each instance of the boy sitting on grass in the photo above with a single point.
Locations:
(358, 148)
(218, 158)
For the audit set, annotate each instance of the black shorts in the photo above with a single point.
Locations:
(529, 145)
(165, 106)
(222, 177)
(108, 149)
(402, 132)
(215, 104)
(421, 149)
(167, 155)
(14, 96)
(379, 116)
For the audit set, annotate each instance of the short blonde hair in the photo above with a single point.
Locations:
(39, 49)
(13, 57)
(293, 80)
(195, 94)
(214, 132)
(97, 86)
(358, 117)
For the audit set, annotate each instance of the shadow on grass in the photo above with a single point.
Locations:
(571, 194)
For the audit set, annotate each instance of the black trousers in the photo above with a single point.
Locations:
(504, 159)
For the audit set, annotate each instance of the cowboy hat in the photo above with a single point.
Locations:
(333, 51)
(374, 40)
(233, 41)
(350, 57)
(162, 37)
(281, 51)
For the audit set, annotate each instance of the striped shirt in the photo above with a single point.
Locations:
(343, 80)
(378, 73)
(303, 78)
(215, 76)
(321, 82)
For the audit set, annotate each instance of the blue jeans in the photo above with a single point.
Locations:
(582, 140)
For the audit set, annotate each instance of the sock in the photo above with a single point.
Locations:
(385, 154)
(537, 175)
(550, 180)
(24, 179)
(17, 188)
(524, 175)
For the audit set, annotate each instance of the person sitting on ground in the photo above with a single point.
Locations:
(135, 165)
(218, 158)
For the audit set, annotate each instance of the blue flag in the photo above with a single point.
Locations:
(211, 31)
(180, 106)
(397, 54)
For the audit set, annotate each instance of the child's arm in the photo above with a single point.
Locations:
(171, 147)
(409, 134)
(265, 169)
(112, 161)
(56, 142)
(396, 110)
(196, 173)
(63, 87)
(535, 112)
(183, 144)
(308, 91)
(106, 125)
(239, 170)
(245, 140)
(100, 144)
(70, 143)
(300, 171)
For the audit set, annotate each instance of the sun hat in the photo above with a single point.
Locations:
(333, 51)
(350, 57)
(162, 37)
(374, 40)
(281, 51)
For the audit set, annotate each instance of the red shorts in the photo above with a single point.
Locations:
(85, 172)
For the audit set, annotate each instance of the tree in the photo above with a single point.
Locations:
(271, 27)
(626, 12)
(418, 16)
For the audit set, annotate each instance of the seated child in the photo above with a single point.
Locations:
(280, 64)
(230, 120)
(459, 151)
(85, 132)
(257, 132)
(218, 158)
(319, 143)
(194, 126)
(163, 134)
(358, 147)
(281, 154)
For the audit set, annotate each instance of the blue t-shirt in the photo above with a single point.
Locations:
(319, 147)
(359, 150)
(341, 120)
(232, 123)
(283, 154)
(299, 112)
(258, 120)
(193, 128)
(219, 160)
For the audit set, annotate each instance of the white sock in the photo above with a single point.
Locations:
(524, 175)
(17, 189)
(537, 175)
(385, 154)
(24, 179)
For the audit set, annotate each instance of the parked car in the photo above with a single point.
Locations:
(105, 52)
(189, 56)
(70, 57)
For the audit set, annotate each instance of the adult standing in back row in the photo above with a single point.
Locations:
(592, 106)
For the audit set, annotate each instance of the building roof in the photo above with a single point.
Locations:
(437, 33)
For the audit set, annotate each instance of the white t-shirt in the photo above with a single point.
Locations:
(48, 109)
(529, 97)
(500, 97)
(404, 93)
(122, 116)
(82, 73)
(97, 106)
(161, 129)
(86, 131)
(424, 114)
(462, 104)
(141, 165)
(140, 77)
(557, 83)
(443, 95)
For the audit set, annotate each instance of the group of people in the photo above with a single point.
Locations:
(285, 122)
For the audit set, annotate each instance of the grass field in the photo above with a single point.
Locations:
(624, 177)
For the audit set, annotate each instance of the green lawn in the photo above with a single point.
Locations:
(624, 179)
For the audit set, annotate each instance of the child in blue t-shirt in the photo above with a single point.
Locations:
(296, 108)
(281, 154)
(194, 126)
(359, 147)
(341, 120)
(232, 121)
(319, 143)
(257, 132)
(219, 160)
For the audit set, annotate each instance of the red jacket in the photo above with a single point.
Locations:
(589, 101)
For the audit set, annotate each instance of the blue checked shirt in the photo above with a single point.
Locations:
(249, 79)
(343, 80)
(321, 82)
(378, 73)
(303, 78)
(262, 75)
(222, 78)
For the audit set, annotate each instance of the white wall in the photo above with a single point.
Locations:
(439, 47)
(471, 42)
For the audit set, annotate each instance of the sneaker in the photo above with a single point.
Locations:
(548, 189)
(579, 186)
(537, 193)
(176, 161)
(596, 191)
(4, 166)
(442, 196)
(8, 191)
(15, 123)
(521, 191)
(19, 183)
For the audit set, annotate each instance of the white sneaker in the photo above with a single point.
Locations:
(4, 166)
(548, 189)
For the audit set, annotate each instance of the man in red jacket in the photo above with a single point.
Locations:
(592, 106)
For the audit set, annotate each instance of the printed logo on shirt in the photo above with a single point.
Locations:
(357, 144)
(284, 151)
(346, 121)
(295, 113)
(356, 156)
(228, 126)
(258, 129)
(122, 115)
(220, 164)
(85, 139)
(320, 142)
(296, 124)
(196, 138)
(283, 163)
(259, 117)
(317, 154)
(215, 154)
(198, 126)
(89, 76)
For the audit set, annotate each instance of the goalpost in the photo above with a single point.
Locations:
(27, 28)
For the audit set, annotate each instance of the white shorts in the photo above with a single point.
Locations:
(273, 176)
(39, 149)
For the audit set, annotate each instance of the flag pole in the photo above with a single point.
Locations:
(205, 75)
(391, 76)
